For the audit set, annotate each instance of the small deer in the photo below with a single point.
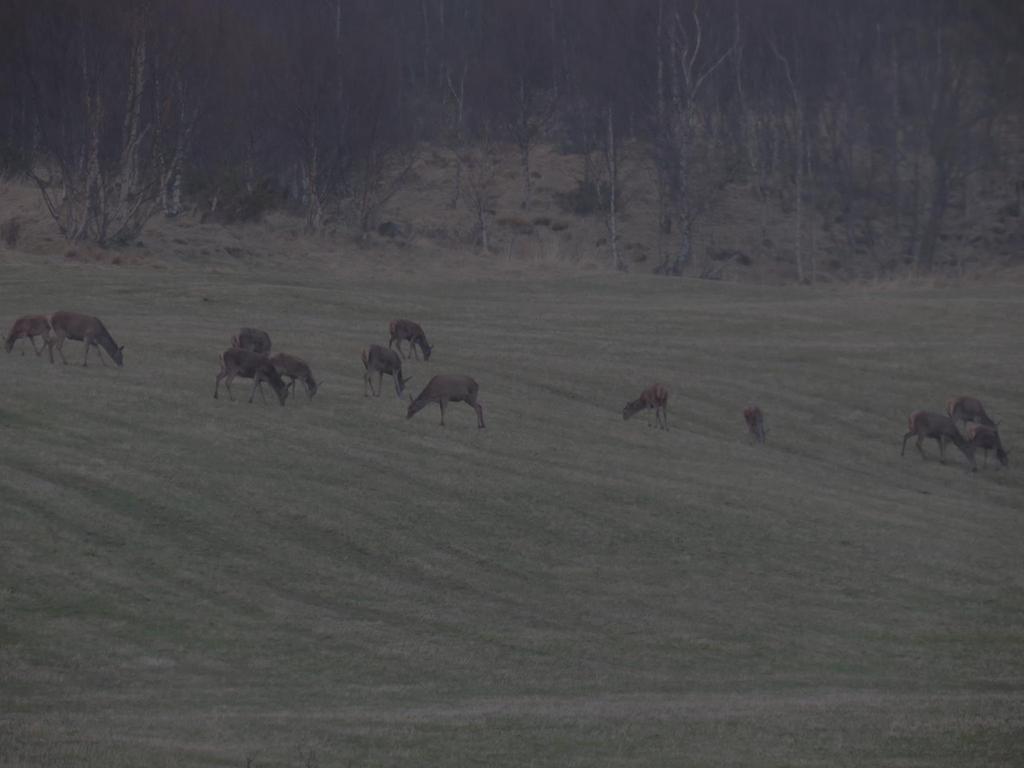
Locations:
(407, 330)
(656, 397)
(755, 422)
(252, 340)
(941, 428)
(445, 389)
(249, 365)
(377, 359)
(28, 327)
(291, 367)
(987, 438)
(967, 409)
(71, 325)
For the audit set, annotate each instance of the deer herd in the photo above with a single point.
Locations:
(249, 357)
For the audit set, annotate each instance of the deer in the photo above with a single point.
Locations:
(291, 367)
(377, 359)
(654, 397)
(71, 325)
(987, 438)
(754, 417)
(941, 428)
(967, 409)
(249, 365)
(443, 389)
(28, 327)
(407, 330)
(252, 340)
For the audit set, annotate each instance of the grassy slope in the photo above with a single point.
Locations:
(191, 581)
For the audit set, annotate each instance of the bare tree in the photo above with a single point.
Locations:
(690, 62)
(480, 184)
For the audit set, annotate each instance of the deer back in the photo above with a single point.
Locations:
(253, 340)
(383, 359)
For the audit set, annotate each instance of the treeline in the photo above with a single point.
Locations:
(872, 113)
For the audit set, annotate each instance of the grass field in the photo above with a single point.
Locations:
(190, 581)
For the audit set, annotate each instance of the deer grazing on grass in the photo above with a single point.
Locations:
(656, 397)
(291, 367)
(967, 409)
(252, 340)
(249, 365)
(377, 359)
(28, 327)
(407, 330)
(445, 389)
(755, 422)
(987, 438)
(941, 428)
(71, 325)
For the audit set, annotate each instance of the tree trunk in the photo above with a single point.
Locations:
(936, 213)
(613, 173)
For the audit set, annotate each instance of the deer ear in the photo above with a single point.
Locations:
(121, 348)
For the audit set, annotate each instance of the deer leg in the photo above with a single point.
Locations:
(479, 414)
(32, 339)
(216, 384)
(942, 450)
(60, 347)
(99, 354)
(920, 440)
(442, 403)
(85, 363)
(229, 377)
(905, 438)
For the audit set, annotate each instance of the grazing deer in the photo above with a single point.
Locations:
(291, 367)
(987, 439)
(938, 427)
(252, 340)
(71, 325)
(28, 327)
(445, 389)
(249, 365)
(967, 409)
(755, 422)
(656, 397)
(407, 330)
(379, 360)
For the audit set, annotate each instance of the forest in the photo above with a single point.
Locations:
(871, 116)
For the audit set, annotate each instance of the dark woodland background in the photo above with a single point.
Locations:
(873, 115)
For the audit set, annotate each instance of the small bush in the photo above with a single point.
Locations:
(588, 197)
(225, 197)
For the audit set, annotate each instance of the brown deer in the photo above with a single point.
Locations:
(987, 438)
(377, 359)
(291, 367)
(407, 330)
(28, 327)
(967, 409)
(656, 397)
(249, 365)
(941, 428)
(252, 340)
(71, 325)
(445, 389)
(755, 422)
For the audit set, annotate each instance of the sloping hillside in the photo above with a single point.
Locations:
(190, 581)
